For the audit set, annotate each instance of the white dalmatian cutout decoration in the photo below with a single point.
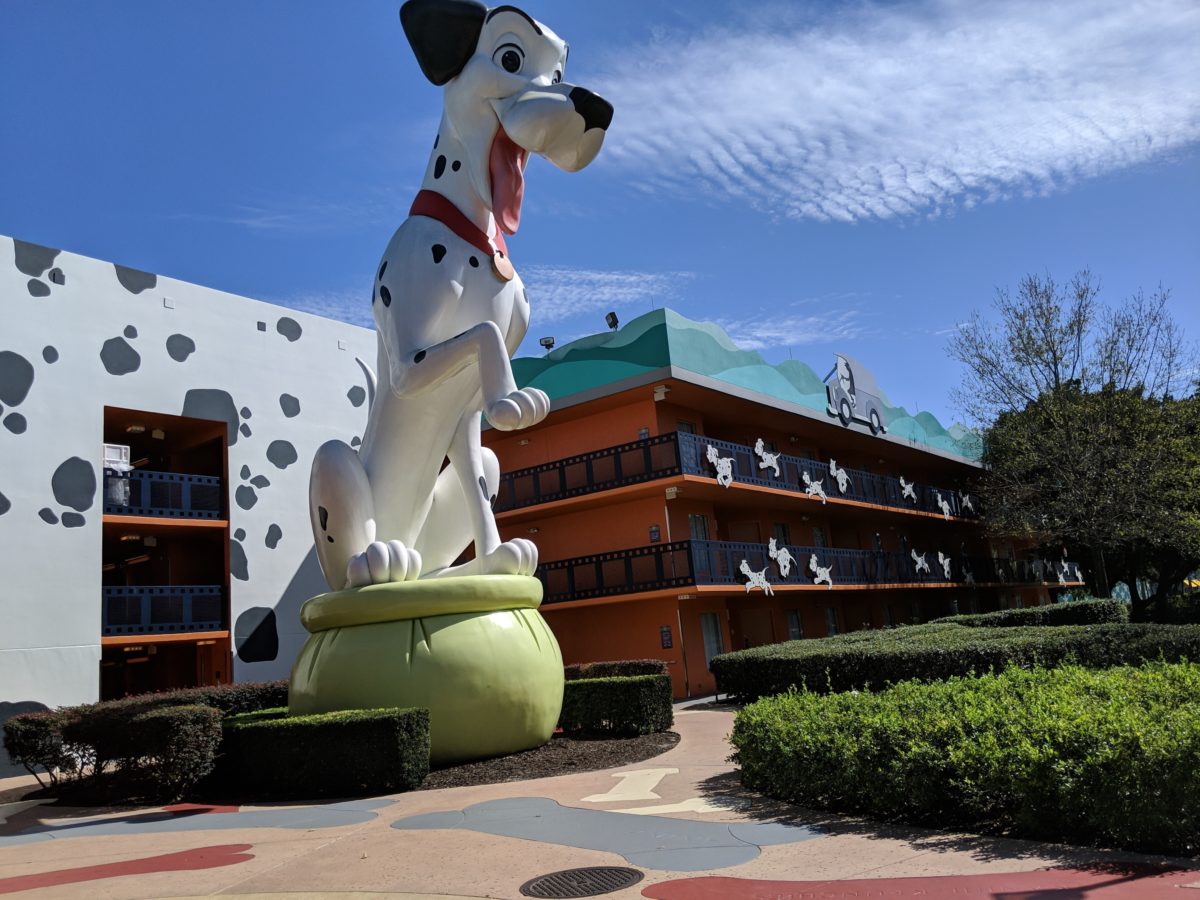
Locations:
(813, 488)
(755, 579)
(922, 565)
(944, 562)
(908, 489)
(782, 556)
(943, 503)
(450, 309)
(723, 465)
(842, 476)
(820, 573)
(767, 460)
(967, 503)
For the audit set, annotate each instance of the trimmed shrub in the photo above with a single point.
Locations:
(356, 751)
(176, 745)
(877, 658)
(620, 668)
(228, 698)
(1079, 612)
(1068, 754)
(637, 704)
(34, 740)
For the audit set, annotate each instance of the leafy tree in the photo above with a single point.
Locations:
(1084, 443)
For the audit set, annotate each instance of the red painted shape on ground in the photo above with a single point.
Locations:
(200, 808)
(1105, 882)
(184, 861)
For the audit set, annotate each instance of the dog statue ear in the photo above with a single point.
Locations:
(443, 34)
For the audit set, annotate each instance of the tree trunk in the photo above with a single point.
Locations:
(1101, 586)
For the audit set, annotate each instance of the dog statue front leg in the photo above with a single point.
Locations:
(506, 406)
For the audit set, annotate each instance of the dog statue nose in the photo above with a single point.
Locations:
(596, 111)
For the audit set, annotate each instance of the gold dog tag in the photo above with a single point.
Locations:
(502, 267)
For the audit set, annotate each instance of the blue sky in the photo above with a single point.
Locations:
(813, 176)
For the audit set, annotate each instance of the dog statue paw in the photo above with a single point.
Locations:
(520, 409)
(383, 562)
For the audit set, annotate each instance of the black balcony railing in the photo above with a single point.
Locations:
(688, 563)
(144, 493)
(682, 453)
(162, 609)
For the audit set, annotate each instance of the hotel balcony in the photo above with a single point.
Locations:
(162, 609)
(717, 565)
(159, 494)
(683, 454)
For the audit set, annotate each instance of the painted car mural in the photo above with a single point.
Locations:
(854, 396)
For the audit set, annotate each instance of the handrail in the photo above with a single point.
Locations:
(142, 492)
(162, 609)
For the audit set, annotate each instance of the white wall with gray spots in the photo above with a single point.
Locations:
(78, 334)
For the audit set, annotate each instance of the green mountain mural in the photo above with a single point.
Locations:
(665, 338)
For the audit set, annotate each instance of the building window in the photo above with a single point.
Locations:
(830, 621)
(795, 626)
(783, 534)
(698, 526)
(655, 534)
(685, 427)
(710, 627)
(819, 537)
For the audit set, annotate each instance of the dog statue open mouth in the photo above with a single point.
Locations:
(450, 309)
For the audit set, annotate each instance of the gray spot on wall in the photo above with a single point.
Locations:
(245, 496)
(134, 280)
(37, 288)
(15, 422)
(260, 481)
(355, 441)
(33, 259)
(282, 454)
(47, 515)
(6, 505)
(16, 377)
(73, 520)
(57, 276)
(74, 484)
(255, 635)
(290, 405)
(180, 347)
(50, 354)
(274, 533)
(209, 403)
(246, 414)
(245, 472)
(238, 567)
(118, 357)
(289, 328)
(130, 332)
(240, 534)
(245, 430)
(356, 395)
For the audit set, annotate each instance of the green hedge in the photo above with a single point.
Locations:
(34, 740)
(176, 745)
(620, 668)
(358, 751)
(1079, 612)
(878, 658)
(1069, 754)
(637, 704)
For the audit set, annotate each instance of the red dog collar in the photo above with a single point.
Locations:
(436, 206)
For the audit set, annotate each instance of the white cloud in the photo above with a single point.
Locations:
(353, 306)
(911, 109)
(792, 330)
(561, 292)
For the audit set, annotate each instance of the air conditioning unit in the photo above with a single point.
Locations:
(116, 475)
(116, 456)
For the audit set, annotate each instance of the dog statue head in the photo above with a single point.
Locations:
(505, 96)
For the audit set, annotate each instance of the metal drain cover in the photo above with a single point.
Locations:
(587, 882)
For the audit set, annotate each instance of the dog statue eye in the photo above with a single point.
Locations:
(509, 57)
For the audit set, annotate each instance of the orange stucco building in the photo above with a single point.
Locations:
(672, 461)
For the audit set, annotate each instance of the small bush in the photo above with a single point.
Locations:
(637, 704)
(1070, 754)
(230, 699)
(620, 668)
(176, 745)
(1079, 612)
(878, 658)
(371, 751)
(34, 740)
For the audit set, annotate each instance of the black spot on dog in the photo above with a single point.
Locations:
(356, 441)
(329, 537)
(525, 296)
(57, 276)
(5, 504)
(436, 140)
(180, 347)
(245, 430)
(274, 536)
(474, 261)
(289, 328)
(245, 411)
(282, 454)
(74, 484)
(255, 635)
(240, 534)
(385, 295)
(118, 357)
(290, 405)
(323, 515)
(439, 167)
(210, 403)
(492, 502)
(47, 515)
(32, 259)
(130, 332)
(246, 496)
(356, 395)
(73, 520)
(37, 289)
(239, 567)
(245, 472)
(382, 269)
(438, 252)
(456, 165)
(134, 280)
(50, 354)
(260, 481)
(16, 377)
(483, 486)
(419, 357)
(15, 422)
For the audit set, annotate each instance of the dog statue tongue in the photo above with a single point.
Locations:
(506, 165)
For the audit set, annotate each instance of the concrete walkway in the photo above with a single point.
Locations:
(681, 819)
